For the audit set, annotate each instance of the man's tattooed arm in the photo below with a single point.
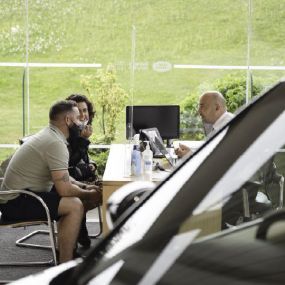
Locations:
(63, 178)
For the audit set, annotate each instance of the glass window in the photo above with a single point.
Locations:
(176, 49)
(11, 96)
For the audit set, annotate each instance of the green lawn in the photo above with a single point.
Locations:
(177, 31)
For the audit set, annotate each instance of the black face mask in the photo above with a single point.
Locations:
(75, 130)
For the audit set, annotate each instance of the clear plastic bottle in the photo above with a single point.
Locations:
(147, 162)
(136, 157)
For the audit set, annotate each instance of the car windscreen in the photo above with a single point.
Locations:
(255, 189)
(219, 188)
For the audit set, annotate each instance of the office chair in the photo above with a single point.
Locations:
(242, 206)
(20, 223)
(273, 183)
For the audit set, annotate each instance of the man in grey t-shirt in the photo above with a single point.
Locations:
(41, 165)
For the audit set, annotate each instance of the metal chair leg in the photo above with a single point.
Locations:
(20, 242)
(100, 224)
(51, 232)
(281, 183)
(246, 212)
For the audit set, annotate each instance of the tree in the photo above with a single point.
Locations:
(108, 97)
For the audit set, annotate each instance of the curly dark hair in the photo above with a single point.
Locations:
(78, 98)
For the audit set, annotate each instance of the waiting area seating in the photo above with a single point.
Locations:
(25, 223)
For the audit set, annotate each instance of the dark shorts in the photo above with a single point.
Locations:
(26, 207)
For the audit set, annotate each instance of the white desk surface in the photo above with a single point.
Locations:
(118, 170)
(117, 174)
(192, 144)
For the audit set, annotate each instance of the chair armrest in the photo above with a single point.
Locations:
(30, 194)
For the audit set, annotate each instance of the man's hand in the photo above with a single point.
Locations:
(94, 199)
(182, 150)
(93, 187)
(92, 167)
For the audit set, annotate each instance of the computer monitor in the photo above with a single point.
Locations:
(166, 118)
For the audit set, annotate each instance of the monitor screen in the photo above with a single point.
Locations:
(166, 118)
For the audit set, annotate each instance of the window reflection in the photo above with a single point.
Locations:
(252, 186)
(180, 49)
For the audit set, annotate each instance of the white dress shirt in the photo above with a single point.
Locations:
(225, 118)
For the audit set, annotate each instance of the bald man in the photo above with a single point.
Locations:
(213, 111)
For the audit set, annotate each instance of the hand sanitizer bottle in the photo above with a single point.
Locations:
(136, 157)
(147, 162)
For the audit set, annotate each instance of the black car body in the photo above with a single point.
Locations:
(217, 219)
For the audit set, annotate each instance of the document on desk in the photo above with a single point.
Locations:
(159, 175)
(193, 145)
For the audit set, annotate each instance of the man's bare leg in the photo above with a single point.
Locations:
(71, 211)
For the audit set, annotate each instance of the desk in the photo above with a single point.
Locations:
(117, 174)
(193, 145)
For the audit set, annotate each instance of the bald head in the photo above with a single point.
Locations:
(212, 105)
(215, 96)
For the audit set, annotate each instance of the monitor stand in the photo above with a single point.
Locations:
(168, 143)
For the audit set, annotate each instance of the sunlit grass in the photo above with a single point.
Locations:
(181, 31)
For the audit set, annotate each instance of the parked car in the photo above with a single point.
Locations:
(217, 219)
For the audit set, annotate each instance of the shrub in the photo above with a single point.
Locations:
(191, 127)
(233, 88)
(100, 156)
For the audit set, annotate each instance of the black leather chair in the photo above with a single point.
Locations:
(242, 206)
(273, 183)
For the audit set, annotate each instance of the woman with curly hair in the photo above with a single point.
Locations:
(81, 168)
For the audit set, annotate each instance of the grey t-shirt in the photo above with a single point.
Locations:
(31, 165)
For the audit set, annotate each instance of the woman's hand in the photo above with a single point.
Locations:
(87, 131)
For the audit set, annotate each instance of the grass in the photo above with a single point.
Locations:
(177, 31)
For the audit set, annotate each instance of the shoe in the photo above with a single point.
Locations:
(83, 237)
(76, 254)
